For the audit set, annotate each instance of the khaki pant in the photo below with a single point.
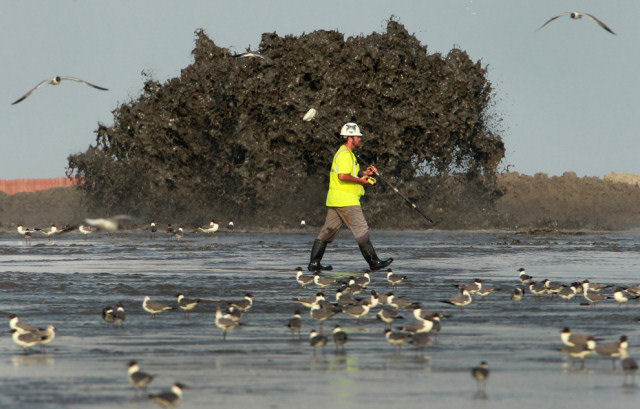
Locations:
(351, 216)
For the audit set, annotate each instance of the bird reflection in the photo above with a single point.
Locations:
(629, 388)
(31, 360)
(480, 395)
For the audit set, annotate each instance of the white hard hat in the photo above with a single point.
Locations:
(350, 129)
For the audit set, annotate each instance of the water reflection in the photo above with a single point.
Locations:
(343, 362)
(278, 364)
(629, 388)
(319, 362)
(480, 395)
(31, 360)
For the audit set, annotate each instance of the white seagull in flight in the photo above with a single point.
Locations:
(253, 54)
(55, 81)
(111, 224)
(576, 15)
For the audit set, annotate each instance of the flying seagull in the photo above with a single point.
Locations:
(108, 224)
(253, 54)
(55, 81)
(576, 15)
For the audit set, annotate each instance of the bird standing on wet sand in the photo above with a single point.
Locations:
(578, 15)
(55, 81)
(321, 314)
(310, 301)
(47, 334)
(357, 311)
(399, 303)
(481, 374)
(395, 279)
(155, 307)
(107, 314)
(21, 327)
(388, 315)
(119, 315)
(345, 299)
(568, 293)
(620, 296)
(27, 339)
(353, 287)
(51, 231)
(552, 287)
(86, 230)
(461, 300)
(472, 287)
(321, 281)
(303, 279)
(517, 294)
(580, 350)
(633, 290)
(170, 398)
(418, 327)
(178, 234)
(537, 288)
(437, 324)
(186, 305)
(339, 337)
(571, 339)
(316, 340)
(594, 296)
(588, 285)
(613, 350)
(486, 290)
(232, 313)
(26, 232)
(225, 324)
(396, 339)
(295, 323)
(138, 379)
(244, 304)
(524, 278)
(364, 280)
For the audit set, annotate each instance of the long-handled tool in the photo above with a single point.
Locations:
(311, 114)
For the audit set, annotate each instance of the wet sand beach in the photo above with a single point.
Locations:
(67, 282)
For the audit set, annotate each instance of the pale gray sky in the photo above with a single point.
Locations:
(568, 93)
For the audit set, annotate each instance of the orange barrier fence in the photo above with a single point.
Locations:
(33, 185)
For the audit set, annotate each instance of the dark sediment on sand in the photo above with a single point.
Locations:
(537, 204)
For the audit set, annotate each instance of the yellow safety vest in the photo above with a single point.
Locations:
(342, 193)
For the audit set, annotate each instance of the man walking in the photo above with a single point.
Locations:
(346, 186)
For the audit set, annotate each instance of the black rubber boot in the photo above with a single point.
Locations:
(316, 255)
(369, 254)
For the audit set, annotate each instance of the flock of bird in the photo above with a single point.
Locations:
(428, 322)
(113, 224)
(355, 298)
(389, 307)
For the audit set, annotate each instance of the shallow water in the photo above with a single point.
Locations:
(66, 283)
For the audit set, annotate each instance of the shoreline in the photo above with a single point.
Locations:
(531, 204)
(314, 230)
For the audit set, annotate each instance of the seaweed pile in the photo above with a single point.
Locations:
(226, 137)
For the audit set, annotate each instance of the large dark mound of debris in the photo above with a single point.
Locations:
(226, 137)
